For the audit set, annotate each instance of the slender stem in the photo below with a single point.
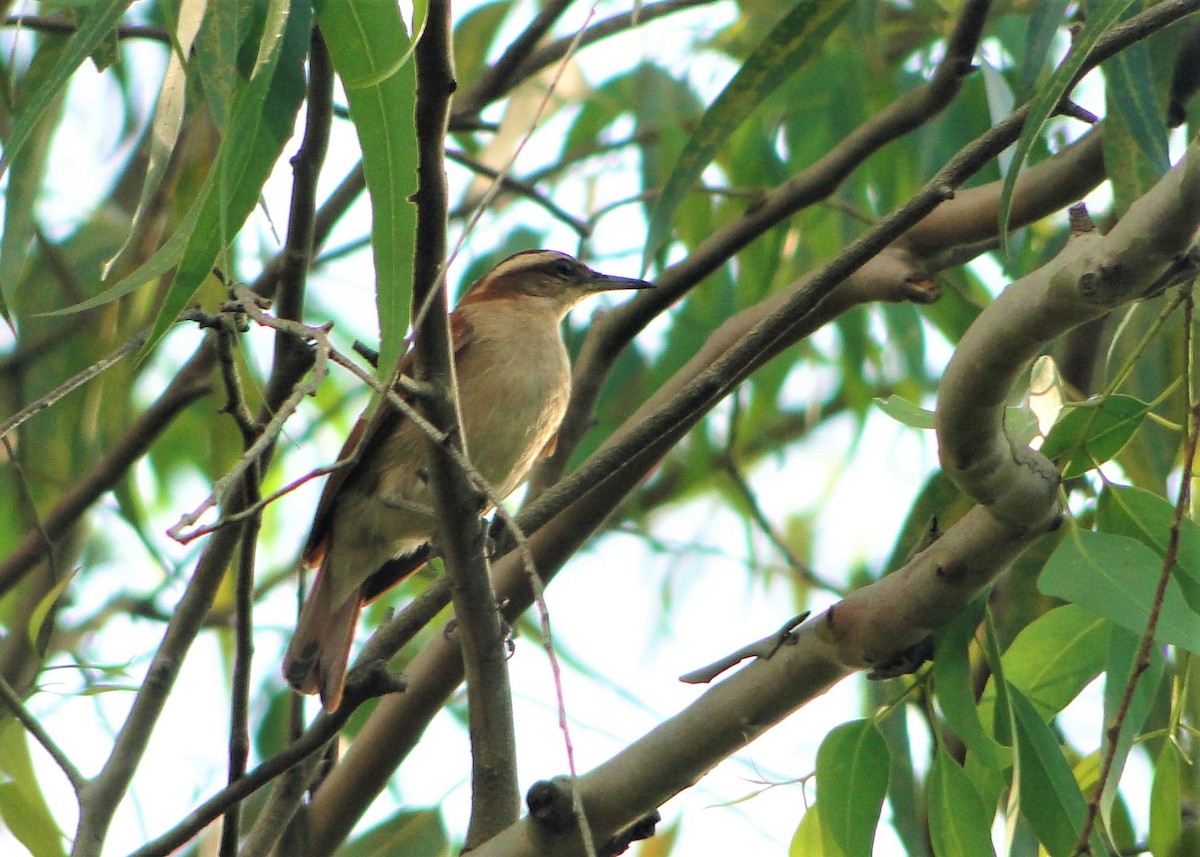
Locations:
(495, 797)
(34, 726)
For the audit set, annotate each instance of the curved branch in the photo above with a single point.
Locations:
(1090, 275)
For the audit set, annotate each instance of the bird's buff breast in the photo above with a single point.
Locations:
(512, 397)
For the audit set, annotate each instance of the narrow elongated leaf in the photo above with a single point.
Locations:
(787, 47)
(1166, 809)
(23, 807)
(904, 411)
(959, 822)
(24, 182)
(261, 121)
(852, 774)
(1050, 799)
(1044, 104)
(1044, 20)
(955, 695)
(214, 60)
(1123, 648)
(1115, 577)
(368, 44)
(168, 118)
(97, 23)
(1129, 84)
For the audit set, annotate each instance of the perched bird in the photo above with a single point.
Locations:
(514, 379)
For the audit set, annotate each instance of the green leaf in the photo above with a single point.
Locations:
(261, 121)
(1122, 655)
(852, 775)
(214, 59)
(24, 184)
(37, 616)
(473, 37)
(1130, 91)
(1091, 434)
(1166, 807)
(98, 20)
(1053, 659)
(1043, 105)
(785, 49)
(1116, 577)
(168, 119)
(955, 693)
(1050, 799)
(22, 805)
(1044, 20)
(905, 412)
(368, 43)
(806, 841)
(959, 822)
(1144, 516)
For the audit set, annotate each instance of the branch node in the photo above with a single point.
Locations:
(1079, 221)
(551, 807)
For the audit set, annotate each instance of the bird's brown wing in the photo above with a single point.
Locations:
(360, 444)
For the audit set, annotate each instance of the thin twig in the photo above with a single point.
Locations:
(522, 188)
(245, 301)
(239, 701)
(34, 727)
(73, 383)
(1170, 558)
(46, 24)
(730, 466)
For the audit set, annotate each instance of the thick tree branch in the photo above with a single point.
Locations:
(594, 490)
(1090, 275)
(1093, 274)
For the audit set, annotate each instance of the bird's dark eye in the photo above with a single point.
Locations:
(564, 268)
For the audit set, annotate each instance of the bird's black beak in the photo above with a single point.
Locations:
(606, 283)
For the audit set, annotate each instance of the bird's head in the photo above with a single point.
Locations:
(545, 278)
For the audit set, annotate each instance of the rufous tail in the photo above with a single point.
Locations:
(315, 661)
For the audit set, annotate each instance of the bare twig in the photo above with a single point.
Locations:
(34, 727)
(239, 703)
(1112, 733)
(525, 189)
(73, 383)
(502, 79)
(46, 24)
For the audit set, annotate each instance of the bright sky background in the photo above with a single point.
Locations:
(605, 607)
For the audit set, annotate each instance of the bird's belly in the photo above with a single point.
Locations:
(509, 422)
